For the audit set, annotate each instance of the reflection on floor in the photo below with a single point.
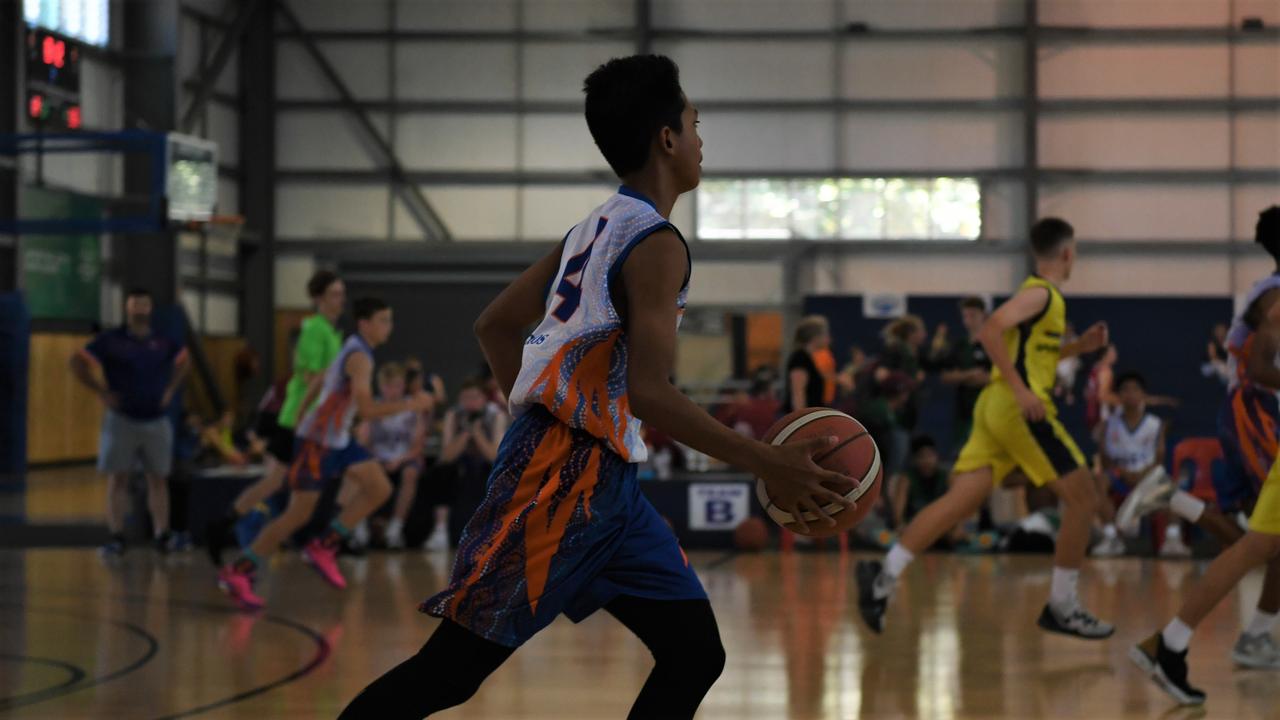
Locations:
(73, 494)
(151, 637)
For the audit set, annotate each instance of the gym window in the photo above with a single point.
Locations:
(840, 209)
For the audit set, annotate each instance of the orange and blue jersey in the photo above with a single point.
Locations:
(563, 527)
(324, 448)
(575, 362)
(1249, 421)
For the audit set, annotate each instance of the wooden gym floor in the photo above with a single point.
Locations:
(152, 637)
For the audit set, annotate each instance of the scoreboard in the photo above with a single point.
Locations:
(53, 80)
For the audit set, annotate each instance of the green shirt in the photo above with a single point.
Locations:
(318, 346)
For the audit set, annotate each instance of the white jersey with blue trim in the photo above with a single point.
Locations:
(575, 362)
(1241, 334)
(1132, 449)
(328, 422)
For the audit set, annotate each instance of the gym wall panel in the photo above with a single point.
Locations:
(329, 139)
(222, 314)
(978, 69)
(1133, 71)
(187, 57)
(361, 65)
(229, 81)
(736, 70)
(89, 173)
(547, 213)
(1135, 141)
(914, 273)
(1134, 13)
(744, 14)
(456, 15)
(345, 14)
(292, 272)
(101, 95)
(768, 140)
(1141, 212)
(224, 129)
(1004, 210)
(456, 71)
(555, 71)
(932, 140)
(1249, 200)
(228, 197)
(736, 283)
(1258, 140)
(921, 14)
(306, 210)
(1267, 10)
(578, 14)
(1150, 274)
(1258, 70)
(63, 416)
(1248, 270)
(472, 213)
(430, 141)
(559, 142)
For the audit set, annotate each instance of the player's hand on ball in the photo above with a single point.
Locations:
(1031, 404)
(795, 481)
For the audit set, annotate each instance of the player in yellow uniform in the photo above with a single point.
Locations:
(1163, 655)
(1015, 425)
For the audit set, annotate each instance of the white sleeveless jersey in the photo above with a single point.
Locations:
(1132, 450)
(1241, 334)
(391, 436)
(575, 362)
(328, 422)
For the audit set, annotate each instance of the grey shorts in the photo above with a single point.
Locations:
(127, 444)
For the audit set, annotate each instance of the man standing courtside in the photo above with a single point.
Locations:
(140, 371)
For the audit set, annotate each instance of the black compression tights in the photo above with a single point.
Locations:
(447, 671)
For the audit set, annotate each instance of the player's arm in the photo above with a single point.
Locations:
(1093, 339)
(1023, 306)
(652, 278)
(82, 362)
(1261, 362)
(359, 369)
(181, 368)
(502, 327)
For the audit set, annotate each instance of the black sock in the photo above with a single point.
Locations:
(118, 538)
(446, 672)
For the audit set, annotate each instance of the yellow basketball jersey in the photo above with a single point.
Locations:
(1035, 345)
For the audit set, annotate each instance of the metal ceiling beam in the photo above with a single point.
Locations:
(574, 107)
(607, 178)
(210, 71)
(423, 213)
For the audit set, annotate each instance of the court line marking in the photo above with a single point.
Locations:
(323, 649)
(75, 674)
(153, 646)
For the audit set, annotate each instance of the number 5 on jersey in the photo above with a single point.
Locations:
(569, 292)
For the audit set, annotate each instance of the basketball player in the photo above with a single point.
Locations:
(1015, 425)
(1164, 654)
(318, 345)
(1247, 429)
(326, 453)
(564, 527)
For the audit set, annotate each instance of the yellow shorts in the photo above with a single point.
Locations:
(1002, 440)
(1266, 512)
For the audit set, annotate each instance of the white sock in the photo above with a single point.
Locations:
(1177, 635)
(395, 526)
(1187, 506)
(1262, 623)
(897, 560)
(1173, 531)
(1109, 531)
(1062, 591)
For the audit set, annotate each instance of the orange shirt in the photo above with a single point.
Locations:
(826, 364)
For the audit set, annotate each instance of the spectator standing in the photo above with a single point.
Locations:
(473, 431)
(806, 385)
(1216, 364)
(142, 371)
(965, 365)
(903, 339)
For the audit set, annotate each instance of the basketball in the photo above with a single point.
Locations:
(751, 535)
(855, 455)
